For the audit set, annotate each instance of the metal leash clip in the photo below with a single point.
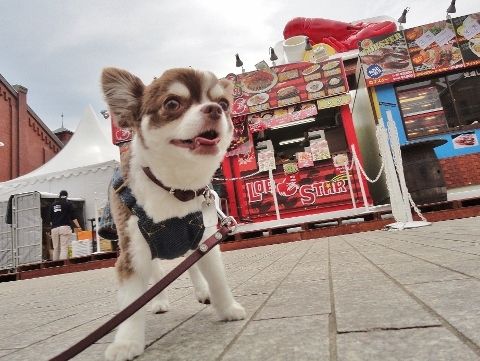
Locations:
(229, 222)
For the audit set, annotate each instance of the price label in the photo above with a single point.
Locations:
(425, 40)
(444, 36)
(471, 28)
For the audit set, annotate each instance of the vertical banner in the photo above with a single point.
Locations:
(247, 162)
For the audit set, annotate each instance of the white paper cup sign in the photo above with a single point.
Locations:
(294, 48)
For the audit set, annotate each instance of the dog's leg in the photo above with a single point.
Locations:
(130, 337)
(160, 303)
(200, 285)
(134, 270)
(211, 266)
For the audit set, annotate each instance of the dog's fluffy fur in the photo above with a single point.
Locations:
(169, 118)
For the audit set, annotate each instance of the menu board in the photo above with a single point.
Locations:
(467, 29)
(385, 59)
(433, 48)
(420, 51)
(285, 85)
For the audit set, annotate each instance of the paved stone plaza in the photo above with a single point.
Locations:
(376, 296)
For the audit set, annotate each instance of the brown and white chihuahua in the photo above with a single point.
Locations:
(182, 128)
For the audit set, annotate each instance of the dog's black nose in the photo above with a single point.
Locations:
(214, 111)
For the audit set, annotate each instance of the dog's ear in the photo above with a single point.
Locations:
(228, 86)
(123, 93)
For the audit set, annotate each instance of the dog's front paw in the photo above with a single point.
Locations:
(160, 306)
(123, 350)
(203, 295)
(233, 312)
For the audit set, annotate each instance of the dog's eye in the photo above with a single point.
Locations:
(171, 104)
(224, 104)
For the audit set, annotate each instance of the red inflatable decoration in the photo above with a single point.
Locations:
(338, 34)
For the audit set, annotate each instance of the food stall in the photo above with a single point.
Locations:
(293, 134)
(428, 77)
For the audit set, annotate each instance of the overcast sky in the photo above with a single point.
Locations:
(57, 48)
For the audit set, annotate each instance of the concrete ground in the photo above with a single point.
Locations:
(382, 295)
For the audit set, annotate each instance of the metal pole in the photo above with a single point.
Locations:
(273, 190)
(352, 196)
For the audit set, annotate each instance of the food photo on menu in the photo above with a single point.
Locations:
(464, 140)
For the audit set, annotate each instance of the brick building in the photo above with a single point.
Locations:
(63, 134)
(27, 141)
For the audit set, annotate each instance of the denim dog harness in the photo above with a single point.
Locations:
(167, 239)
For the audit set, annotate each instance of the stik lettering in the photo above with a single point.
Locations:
(308, 193)
(256, 189)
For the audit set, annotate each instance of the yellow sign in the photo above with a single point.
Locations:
(335, 101)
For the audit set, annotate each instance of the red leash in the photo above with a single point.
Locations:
(108, 326)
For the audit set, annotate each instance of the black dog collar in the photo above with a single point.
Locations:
(180, 194)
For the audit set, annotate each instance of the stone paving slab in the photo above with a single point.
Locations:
(396, 295)
(212, 335)
(304, 338)
(284, 303)
(437, 344)
(456, 301)
(419, 272)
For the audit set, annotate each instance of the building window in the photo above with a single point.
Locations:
(441, 104)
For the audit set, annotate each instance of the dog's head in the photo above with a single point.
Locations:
(182, 116)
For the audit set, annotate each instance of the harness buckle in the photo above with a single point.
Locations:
(230, 223)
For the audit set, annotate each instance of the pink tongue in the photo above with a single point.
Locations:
(205, 141)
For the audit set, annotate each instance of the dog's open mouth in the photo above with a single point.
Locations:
(209, 138)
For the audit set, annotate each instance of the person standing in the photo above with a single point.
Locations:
(61, 217)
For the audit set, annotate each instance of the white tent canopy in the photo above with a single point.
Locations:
(83, 167)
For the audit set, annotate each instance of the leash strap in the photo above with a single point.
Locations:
(108, 326)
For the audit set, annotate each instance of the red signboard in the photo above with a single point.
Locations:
(286, 85)
(321, 186)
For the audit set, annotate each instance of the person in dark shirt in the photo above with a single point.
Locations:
(61, 217)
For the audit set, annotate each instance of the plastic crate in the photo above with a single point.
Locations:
(81, 248)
